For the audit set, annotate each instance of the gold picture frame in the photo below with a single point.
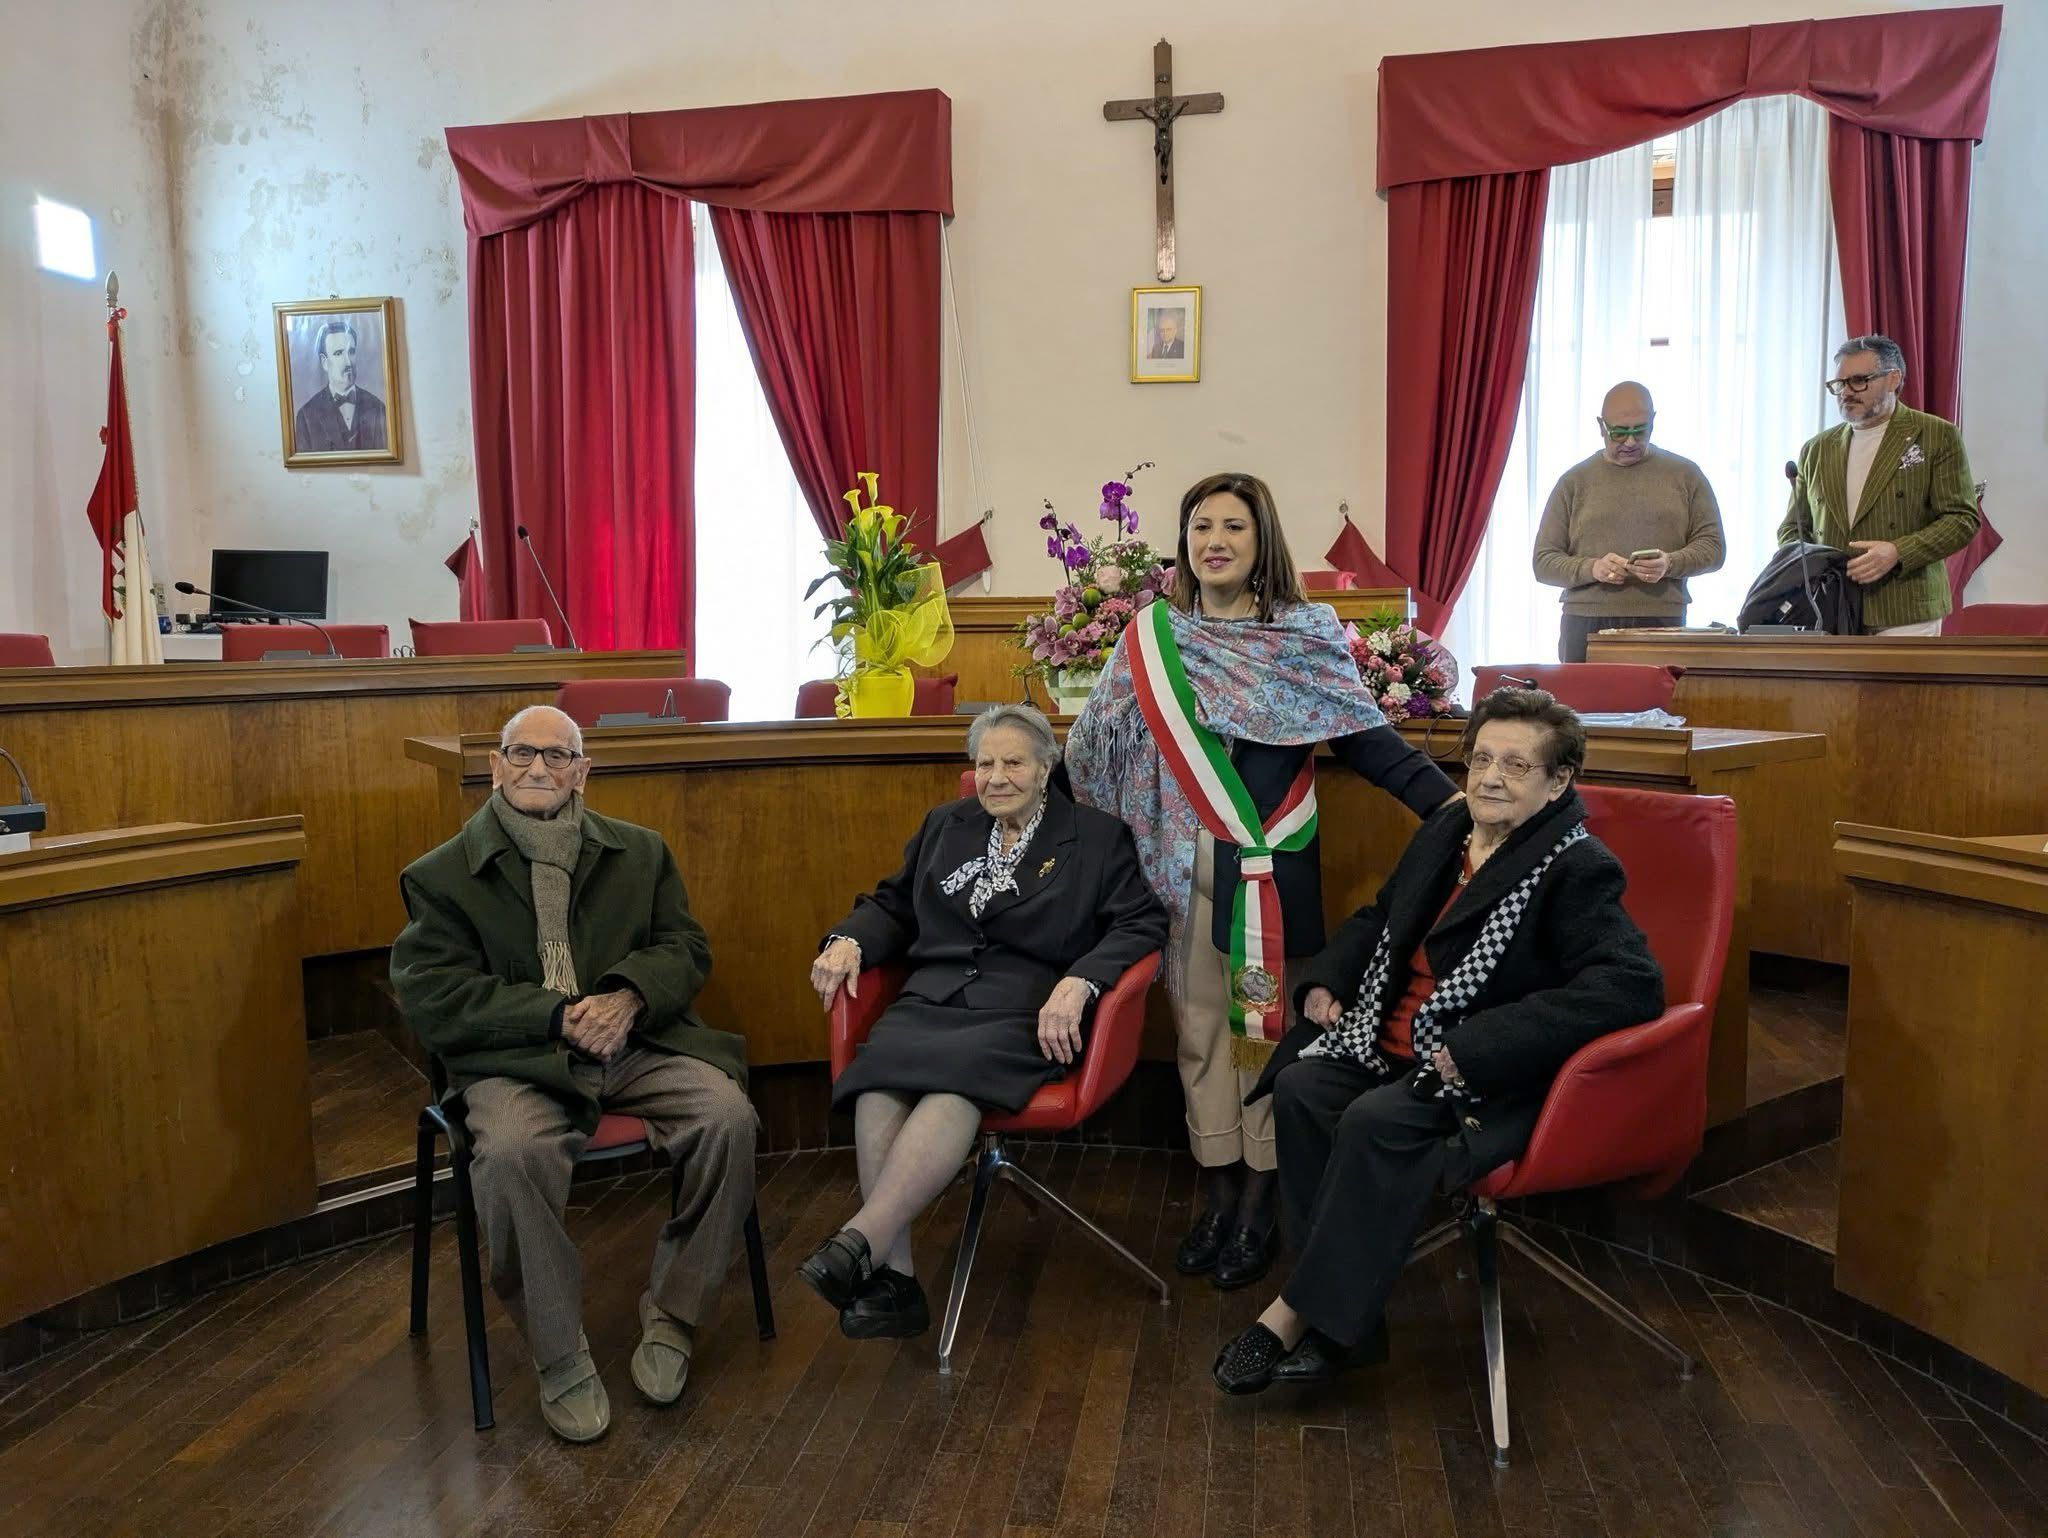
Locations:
(1166, 335)
(325, 346)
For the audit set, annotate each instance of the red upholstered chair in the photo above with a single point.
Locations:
(615, 1138)
(585, 700)
(251, 643)
(1985, 619)
(1631, 1107)
(929, 697)
(20, 649)
(476, 637)
(1339, 580)
(1588, 685)
(1112, 1053)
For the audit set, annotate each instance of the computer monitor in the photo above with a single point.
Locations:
(292, 582)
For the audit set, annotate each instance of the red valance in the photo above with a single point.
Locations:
(890, 152)
(1923, 74)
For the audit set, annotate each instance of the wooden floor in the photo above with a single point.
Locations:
(366, 1108)
(296, 1404)
(1795, 1196)
(1798, 1026)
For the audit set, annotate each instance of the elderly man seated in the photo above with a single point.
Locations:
(1014, 909)
(550, 962)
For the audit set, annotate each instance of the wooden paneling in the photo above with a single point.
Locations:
(778, 827)
(985, 653)
(1945, 1093)
(152, 1053)
(212, 742)
(1945, 733)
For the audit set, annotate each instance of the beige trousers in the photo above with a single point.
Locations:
(1222, 1129)
(525, 1148)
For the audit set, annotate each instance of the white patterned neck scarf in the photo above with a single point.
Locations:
(1354, 1035)
(993, 871)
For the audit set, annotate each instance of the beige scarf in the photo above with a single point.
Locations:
(552, 847)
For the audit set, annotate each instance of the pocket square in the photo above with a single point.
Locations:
(1912, 456)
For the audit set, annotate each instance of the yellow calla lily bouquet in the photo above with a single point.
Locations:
(892, 613)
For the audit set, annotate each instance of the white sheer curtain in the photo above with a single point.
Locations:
(1725, 310)
(758, 547)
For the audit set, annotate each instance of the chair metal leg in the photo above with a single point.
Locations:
(757, 1273)
(1435, 1239)
(985, 1168)
(422, 1219)
(1485, 1226)
(1584, 1286)
(1026, 1181)
(472, 1296)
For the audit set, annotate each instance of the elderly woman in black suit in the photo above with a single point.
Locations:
(1014, 909)
(1431, 1027)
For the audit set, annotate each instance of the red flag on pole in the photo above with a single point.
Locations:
(963, 556)
(126, 596)
(466, 560)
(1349, 552)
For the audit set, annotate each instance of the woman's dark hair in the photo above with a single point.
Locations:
(1566, 732)
(1274, 579)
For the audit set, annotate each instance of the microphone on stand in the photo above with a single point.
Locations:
(27, 815)
(1805, 532)
(560, 613)
(250, 608)
(1519, 683)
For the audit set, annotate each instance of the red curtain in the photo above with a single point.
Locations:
(581, 356)
(581, 375)
(1464, 144)
(842, 314)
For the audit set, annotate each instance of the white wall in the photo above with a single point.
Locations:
(79, 123)
(309, 160)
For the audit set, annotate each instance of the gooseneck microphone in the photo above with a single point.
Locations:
(560, 613)
(26, 816)
(251, 608)
(1804, 530)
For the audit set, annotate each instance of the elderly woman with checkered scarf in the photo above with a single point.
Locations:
(1431, 1027)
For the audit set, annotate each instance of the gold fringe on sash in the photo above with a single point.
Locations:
(1248, 1054)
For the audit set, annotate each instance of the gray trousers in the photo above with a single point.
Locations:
(524, 1150)
(1574, 630)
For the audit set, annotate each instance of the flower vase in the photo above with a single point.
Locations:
(1070, 688)
(880, 692)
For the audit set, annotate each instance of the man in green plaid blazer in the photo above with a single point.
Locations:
(1891, 486)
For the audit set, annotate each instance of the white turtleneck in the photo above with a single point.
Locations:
(1863, 442)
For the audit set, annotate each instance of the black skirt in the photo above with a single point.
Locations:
(990, 1056)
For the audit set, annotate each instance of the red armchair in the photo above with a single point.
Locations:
(1112, 1053)
(1588, 685)
(1631, 1107)
(929, 697)
(23, 649)
(252, 643)
(586, 700)
(476, 637)
(1997, 619)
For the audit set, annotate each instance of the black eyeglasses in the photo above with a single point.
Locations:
(1857, 382)
(520, 755)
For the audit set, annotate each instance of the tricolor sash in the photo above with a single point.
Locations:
(1201, 765)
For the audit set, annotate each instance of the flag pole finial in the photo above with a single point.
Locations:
(113, 290)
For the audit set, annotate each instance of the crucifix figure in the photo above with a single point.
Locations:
(1160, 109)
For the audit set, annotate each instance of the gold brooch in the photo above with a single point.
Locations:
(1044, 870)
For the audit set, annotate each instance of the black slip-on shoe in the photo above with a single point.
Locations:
(889, 1306)
(837, 1268)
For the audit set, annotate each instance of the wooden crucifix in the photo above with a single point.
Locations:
(1160, 109)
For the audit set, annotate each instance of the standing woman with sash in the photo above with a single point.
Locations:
(1202, 737)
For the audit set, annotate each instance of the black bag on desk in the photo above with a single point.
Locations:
(1805, 586)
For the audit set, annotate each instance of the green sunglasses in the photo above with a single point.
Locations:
(1624, 434)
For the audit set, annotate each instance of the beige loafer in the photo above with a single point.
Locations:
(572, 1397)
(661, 1362)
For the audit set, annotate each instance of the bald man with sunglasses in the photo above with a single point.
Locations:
(1625, 527)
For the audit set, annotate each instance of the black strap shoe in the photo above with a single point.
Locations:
(1246, 1362)
(1319, 1358)
(1246, 1258)
(837, 1268)
(1204, 1242)
(890, 1306)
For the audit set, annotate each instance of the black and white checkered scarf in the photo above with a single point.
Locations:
(1354, 1035)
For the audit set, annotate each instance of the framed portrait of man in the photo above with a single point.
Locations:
(1166, 335)
(337, 381)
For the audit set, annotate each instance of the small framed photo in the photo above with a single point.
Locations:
(1166, 335)
(337, 381)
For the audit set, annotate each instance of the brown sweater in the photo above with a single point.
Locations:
(1663, 503)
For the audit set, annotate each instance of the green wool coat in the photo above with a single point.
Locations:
(467, 966)
(1927, 507)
